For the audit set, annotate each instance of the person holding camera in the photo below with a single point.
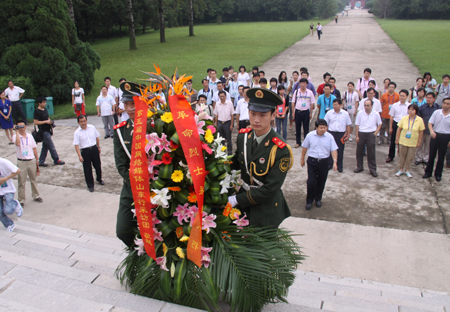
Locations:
(46, 126)
(5, 116)
(27, 161)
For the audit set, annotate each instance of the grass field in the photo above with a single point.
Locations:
(425, 42)
(214, 46)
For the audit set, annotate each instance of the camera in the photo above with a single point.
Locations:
(19, 127)
(53, 124)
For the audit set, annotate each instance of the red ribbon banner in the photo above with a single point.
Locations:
(139, 177)
(184, 121)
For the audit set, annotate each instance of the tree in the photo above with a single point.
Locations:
(301, 8)
(131, 33)
(40, 42)
(191, 19)
(217, 8)
(70, 10)
(162, 35)
(326, 8)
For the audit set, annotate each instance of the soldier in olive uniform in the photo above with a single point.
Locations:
(264, 159)
(126, 223)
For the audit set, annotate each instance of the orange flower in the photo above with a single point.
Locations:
(152, 194)
(192, 198)
(174, 189)
(233, 213)
(227, 210)
(179, 232)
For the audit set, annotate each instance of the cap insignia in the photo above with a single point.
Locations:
(259, 94)
(127, 87)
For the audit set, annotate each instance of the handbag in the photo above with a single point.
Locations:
(78, 106)
(37, 135)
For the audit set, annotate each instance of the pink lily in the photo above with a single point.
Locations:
(140, 246)
(156, 162)
(190, 214)
(153, 142)
(208, 222)
(206, 259)
(161, 261)
(157, 235)
(200, 125)
(181, 213)
(155, 219)
(165, 144)
(242, 221)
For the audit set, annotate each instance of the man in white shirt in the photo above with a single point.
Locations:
(303, 101)
(396, 113)
(371, 96)
(87, 145)
(363, 82)
(224, 119)
(216, 98)
(368, 124)
(350, 101)
(213, 80)
(123, 113)
(242, 117)
(27, 161)
(105, 108)
(14, 94)
(339, 123)
(112, 91)
(8, 205)
(239, 96)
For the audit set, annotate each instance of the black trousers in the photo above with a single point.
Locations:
(337, 138)
(437, 146)
(91, 157)
(224, 129)
(126, 223)
(366, 139)
(116, 118)
(317, 177)
(319, 33)
(17, 112)
(392, 147)
(301, 118)
(243, 124)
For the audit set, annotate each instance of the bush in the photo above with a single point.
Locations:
(23, 82)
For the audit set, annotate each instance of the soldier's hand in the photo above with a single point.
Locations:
(302, 162)
(81, 159)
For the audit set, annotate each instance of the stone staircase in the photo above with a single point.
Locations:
(49, 268)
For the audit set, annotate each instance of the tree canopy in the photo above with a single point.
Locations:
(410, 9)
(39, 41)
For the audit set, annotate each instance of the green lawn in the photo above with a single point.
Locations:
(215, 46)
(425, 42)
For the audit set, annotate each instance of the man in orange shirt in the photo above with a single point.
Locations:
(387, 100)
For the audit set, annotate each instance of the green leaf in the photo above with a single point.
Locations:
(180, 273)
(166, 282)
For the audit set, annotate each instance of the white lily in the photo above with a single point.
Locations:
(188, 173)
(161, 198)
(226, 184)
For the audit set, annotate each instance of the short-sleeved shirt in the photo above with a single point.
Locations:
(78, 95)
(376, 105)
(302, 100)
(442, 93)
(351, 101)
(410, 125)
(309, 86)
(25, 149)
(430, 84)
(416, 101)
(326, 103)
(224, 112)
(425, 111)
(42, 115)
(106, 104)
(208, 94)
(6, 168)
(242, 109)
(338, 122)
(440, 122)
(363, 84)
(387, 101)
(124, 116)
(399, 110)
(243, 79)
(14, 94)
(85, 138)
(320, 89)
(213, 85)
(319, 146)
(368, 122)
(217, 99)
(113, 92)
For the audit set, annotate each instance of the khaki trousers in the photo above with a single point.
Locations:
(27, 168)
(407, 154)
(424, 149)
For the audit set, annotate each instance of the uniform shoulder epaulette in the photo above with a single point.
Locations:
(245, 130)
(120, 125)
(278, 142)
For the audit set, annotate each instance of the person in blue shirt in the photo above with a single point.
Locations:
(319, 144)
(325, 101)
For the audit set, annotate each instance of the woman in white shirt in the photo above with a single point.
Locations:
(78, 100)
(243, 77)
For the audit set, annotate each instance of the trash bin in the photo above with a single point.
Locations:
(28, 108)
(50, 106)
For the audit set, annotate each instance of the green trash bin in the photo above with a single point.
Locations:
(28, 108)
(50, 106)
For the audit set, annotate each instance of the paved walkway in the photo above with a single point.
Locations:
(386, 230)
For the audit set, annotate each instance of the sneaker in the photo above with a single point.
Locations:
(408, 174)
(43, 165)
(38, 199)
(60, 162)
(399, 173)
(350, 139)
(11, 228)
(19, 209)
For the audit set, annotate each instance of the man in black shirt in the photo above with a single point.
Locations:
(334, 91)
(46, 128)
(226, 77)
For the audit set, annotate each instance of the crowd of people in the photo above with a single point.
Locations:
(412, 122)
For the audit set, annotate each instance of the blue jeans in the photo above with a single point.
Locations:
(47, 145)
(7, 207)
(282, 123)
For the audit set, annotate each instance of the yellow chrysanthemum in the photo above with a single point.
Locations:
(209, 136)
(184, 238)
(180, 252)
(177, 176)
(232, 213)
(167, 117)
(224, 148)
(150, 114)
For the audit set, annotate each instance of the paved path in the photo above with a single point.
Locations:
(386, 230)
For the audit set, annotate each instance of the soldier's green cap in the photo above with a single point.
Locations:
(262, 100)
(130, 89)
